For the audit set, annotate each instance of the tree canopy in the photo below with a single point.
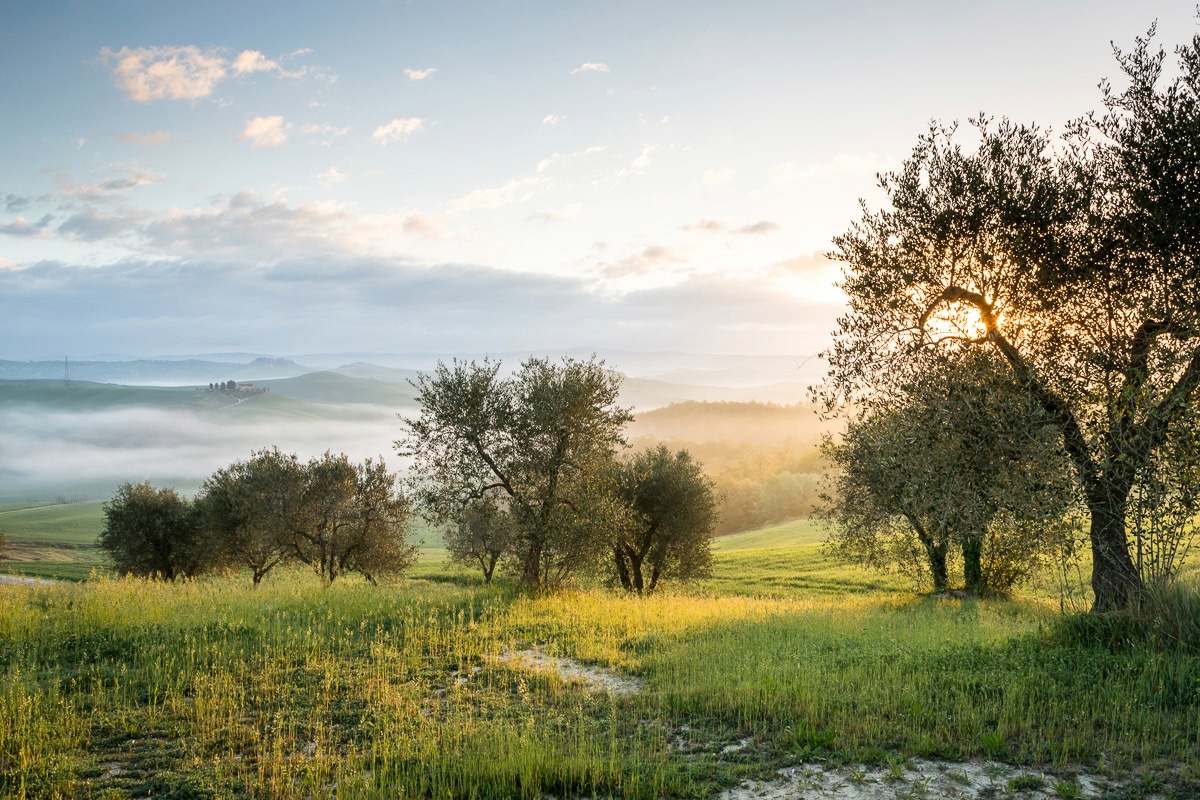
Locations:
(672, 513)
(152, 533)
(1077, 261)
(543, 438)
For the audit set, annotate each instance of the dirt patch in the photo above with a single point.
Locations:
(594, 679)
(19, 580)
(918, 778)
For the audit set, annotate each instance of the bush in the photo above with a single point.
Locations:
(152, 533)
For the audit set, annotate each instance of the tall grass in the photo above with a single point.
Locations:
(128, 688)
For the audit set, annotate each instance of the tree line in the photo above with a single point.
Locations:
(525, 474)
(330, 514)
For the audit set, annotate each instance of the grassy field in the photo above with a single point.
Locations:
(426, 686)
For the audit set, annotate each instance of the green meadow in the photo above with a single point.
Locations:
(428, 686)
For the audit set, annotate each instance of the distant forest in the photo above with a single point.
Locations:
(763, 458)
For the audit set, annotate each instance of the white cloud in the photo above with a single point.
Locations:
(324, 132)
(330, 177)
(517, 190)
(719, 177)
(550, 119)
(142, 140)
(643, 161)
(419, 74)
(129, 178)
(303, 51)
(841, 164)
(706, 225)
(556, 215)
(23, 228)
(647, 260)
(397, 130)
(757, 229)
(253, 61)
(590, 66)
(266, 132)
(171, 73)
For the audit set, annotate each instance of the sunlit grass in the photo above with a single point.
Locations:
(212, 688)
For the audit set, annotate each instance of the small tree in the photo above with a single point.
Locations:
(543, 438)
(672, 516)
(482, 535)
(151, 532)
(961, 461)
(353, 520)
(251, 511)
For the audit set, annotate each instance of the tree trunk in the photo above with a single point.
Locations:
(1115, 581)
(622, 569)
(937, 566)
(635, 564)
(972, 550)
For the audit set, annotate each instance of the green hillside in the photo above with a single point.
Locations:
(88, 396)
(789, 534)
(72, 524)
(334, 387)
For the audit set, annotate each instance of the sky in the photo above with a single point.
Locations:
(440, 176)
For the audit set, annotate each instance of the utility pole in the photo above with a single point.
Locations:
(66, 372)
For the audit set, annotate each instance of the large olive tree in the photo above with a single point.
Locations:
(1076, 261)
(544, 438)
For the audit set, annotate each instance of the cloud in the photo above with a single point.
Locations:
(187, 73)
(648, 260)
(398, 130)
(16, 202)
(303, 51)
(419, 74)
(130, 178)
(147, 139)
(266, 132)
(396, 306)
(330, 177)
(253, 61)
(841, 164)
(91, 225)
(590, 66)
(555, 158)
(706, 225)
(24, 229)
(719, 177)
(806, 265)
(517, 190)
(171, 73)
(550, 119)
(761, 228)
(323, 132)
(556, 215)
(643, 160)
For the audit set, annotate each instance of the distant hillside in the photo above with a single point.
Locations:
(753, 422)
(362, 369)
(152, 372)
(338, 388)
(85, 396)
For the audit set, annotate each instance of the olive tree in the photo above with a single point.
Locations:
(671, 516)
(482, 534)
(351, 519)
(963, 462)
(1077, 262)
(152, 533)
(543, 438)
(251, 511)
